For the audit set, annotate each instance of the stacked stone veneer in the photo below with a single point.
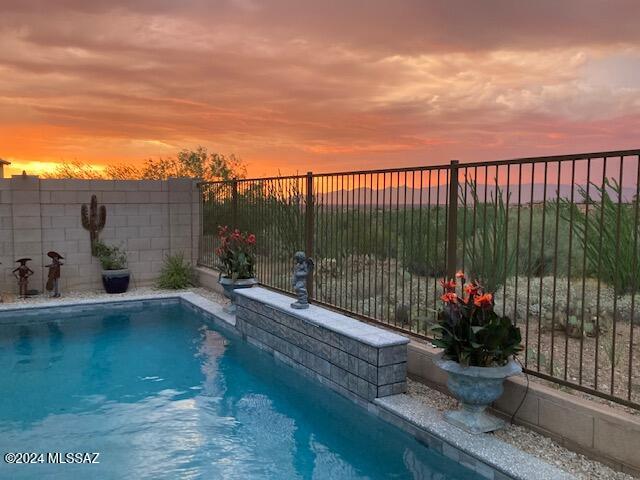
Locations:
(344, 353)
(148, 218)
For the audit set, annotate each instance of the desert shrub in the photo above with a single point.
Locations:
(339, 234)
(538, 258)
(286, 204)
(273, 210)
(487, 260)
(176, 273)
(610, 235)
(425, 251)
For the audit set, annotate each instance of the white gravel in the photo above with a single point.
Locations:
(99, 294)
(527, 440)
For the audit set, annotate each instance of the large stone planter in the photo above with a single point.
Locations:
(476, 388)
(229, 285)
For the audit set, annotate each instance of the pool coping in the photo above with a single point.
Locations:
(485, 454)
(328, 319)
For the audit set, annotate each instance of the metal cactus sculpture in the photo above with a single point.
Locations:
(93, 219)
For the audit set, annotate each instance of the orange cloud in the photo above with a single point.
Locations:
(290, 86)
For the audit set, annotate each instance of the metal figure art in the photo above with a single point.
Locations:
(22, 274)
(302, 269)
(54, 273)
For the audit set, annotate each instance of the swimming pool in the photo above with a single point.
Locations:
(159, 392)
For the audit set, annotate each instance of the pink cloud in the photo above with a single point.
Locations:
(334, 84)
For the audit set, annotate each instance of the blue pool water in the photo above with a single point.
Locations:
(159, 393)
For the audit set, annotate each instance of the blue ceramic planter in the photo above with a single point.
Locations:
(476, 388)
(116, 281)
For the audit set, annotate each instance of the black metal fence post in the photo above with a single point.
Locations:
(234, 203)
(201, 221)
(309, 228)
(452, 220)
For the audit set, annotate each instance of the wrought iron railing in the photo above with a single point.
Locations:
(555, 237)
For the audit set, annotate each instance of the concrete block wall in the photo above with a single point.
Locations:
(149, 219)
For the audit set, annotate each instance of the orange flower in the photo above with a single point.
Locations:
(484, 301)
(448, 285)
(460, 274)
(449, 297)
(472, 289)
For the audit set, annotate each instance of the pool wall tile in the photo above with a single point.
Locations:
(368, 367)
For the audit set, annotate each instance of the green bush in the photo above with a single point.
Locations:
(111, 258)
(176, 273)
(426, 243)
(489, 258)
(609, 234)
(537, 252)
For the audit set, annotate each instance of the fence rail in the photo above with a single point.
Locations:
(555, 237)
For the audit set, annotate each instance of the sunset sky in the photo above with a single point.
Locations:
(316, 85)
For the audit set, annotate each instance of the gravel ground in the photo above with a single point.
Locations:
(528, 441)
(44, 298)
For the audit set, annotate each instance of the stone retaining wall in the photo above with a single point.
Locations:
(148, 218)
(346, 354)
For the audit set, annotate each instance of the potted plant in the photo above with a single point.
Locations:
(115, 274)
(478, 352)
(237, 259)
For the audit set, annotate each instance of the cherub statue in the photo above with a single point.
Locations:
(302, 269)
(54, 273)
(22, 273)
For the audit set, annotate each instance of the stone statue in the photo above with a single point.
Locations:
(54, 273)
(22, 273)
(302, 269)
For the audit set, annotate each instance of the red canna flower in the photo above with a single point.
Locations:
(251, 239)
(449, 297)
(472, 289)
(483, 301)
(448, 285)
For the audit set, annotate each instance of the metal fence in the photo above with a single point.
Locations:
(556, 238)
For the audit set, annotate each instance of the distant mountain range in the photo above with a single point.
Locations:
(527, 193)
